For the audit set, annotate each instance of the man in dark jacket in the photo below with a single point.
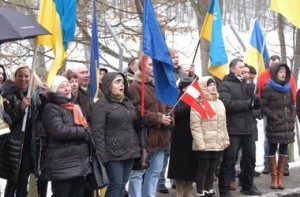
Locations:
(239, 103)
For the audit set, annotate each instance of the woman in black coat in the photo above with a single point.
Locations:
(112, 123)
(16, 160)
(277, 105)
(67, 154)
(182, 164)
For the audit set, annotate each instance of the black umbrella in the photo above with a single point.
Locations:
(17, 26)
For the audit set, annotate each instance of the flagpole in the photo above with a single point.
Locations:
(262, 50)
(180, 98)
(196, 51)
(29, 88)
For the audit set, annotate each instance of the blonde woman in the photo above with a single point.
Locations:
(210, 138)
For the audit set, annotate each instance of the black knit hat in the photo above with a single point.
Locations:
(209, 81)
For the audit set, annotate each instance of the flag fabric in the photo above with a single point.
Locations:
(194, 97)
(257, 53)
(289, 9)
(94, 58)
(212, 32)
(154, 46)
(58, 17)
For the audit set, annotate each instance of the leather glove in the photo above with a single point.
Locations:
(7, 118)
(276, 119)
(142, 121)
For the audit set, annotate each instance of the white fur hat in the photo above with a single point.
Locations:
(57, 80)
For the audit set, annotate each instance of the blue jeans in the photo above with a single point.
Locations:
(135, 183)
(247, 143)
(118, 173)
(147, 187)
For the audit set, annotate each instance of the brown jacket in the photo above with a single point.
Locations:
(158, 134)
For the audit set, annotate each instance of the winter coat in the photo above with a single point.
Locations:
(265, 77)
(13, 144)
(209, 134)
(112, 124)
(67, 154)
(235, 95)
(83, 100)
(182, 163)
(38, 101)
(280, 110)
(158, 134)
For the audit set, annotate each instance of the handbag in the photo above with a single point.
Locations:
(142, 162)
(98, 178)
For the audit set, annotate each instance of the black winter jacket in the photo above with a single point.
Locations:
(280, 110)
(236, 96)
(13, 144)
(112, 124)
(67, 154)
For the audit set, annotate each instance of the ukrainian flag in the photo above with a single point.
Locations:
(289, 9)
(254, 55)
(58, 17)
(212, 32)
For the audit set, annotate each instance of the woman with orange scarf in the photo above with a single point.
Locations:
(67, 152)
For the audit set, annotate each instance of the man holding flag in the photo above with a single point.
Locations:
(239, 103)
(157, 122)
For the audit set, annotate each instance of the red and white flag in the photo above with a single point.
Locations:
(195, 98)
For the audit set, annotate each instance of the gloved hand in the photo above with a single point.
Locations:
(276, 119)
(7, 118)
(255, 98)
(142, 121)
(249, 103)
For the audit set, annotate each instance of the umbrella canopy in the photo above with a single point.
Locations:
(17, 26)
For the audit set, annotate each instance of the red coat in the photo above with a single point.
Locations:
(265, 77)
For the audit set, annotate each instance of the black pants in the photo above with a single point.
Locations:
(283, 149)
(205, 174)
(247, 143)
(42, 186)
(69, 188)
(19, 188)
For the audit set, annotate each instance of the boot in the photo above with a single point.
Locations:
(273, 171)
(179, 188)
(188, 189)
(280, 170)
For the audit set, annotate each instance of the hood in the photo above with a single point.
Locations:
(107, 80)
(203, 85)
(274, 69)
(138, 77)
(8, 87)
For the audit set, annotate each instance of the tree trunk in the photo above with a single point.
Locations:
(200, 8)
(281, 37)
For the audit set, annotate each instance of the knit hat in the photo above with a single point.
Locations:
(209, 81)
(57, 80)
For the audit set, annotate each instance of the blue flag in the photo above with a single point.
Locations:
(94, 58)
(154, 46)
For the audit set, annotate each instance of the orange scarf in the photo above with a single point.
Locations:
(77, 114)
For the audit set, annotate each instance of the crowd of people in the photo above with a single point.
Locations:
(62, 119)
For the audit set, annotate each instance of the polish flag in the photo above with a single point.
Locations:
(195, 98)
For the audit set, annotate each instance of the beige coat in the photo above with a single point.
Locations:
(211, 134)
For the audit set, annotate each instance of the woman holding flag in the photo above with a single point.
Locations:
(210, 137)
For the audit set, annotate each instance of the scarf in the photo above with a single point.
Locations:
(77, 114)
(278, 87)
(118, 97)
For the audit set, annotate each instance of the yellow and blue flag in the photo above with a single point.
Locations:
(289, 9)
(94, 58)
(212, 32)
(58, 17)
(154, 46)
(254, 55)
